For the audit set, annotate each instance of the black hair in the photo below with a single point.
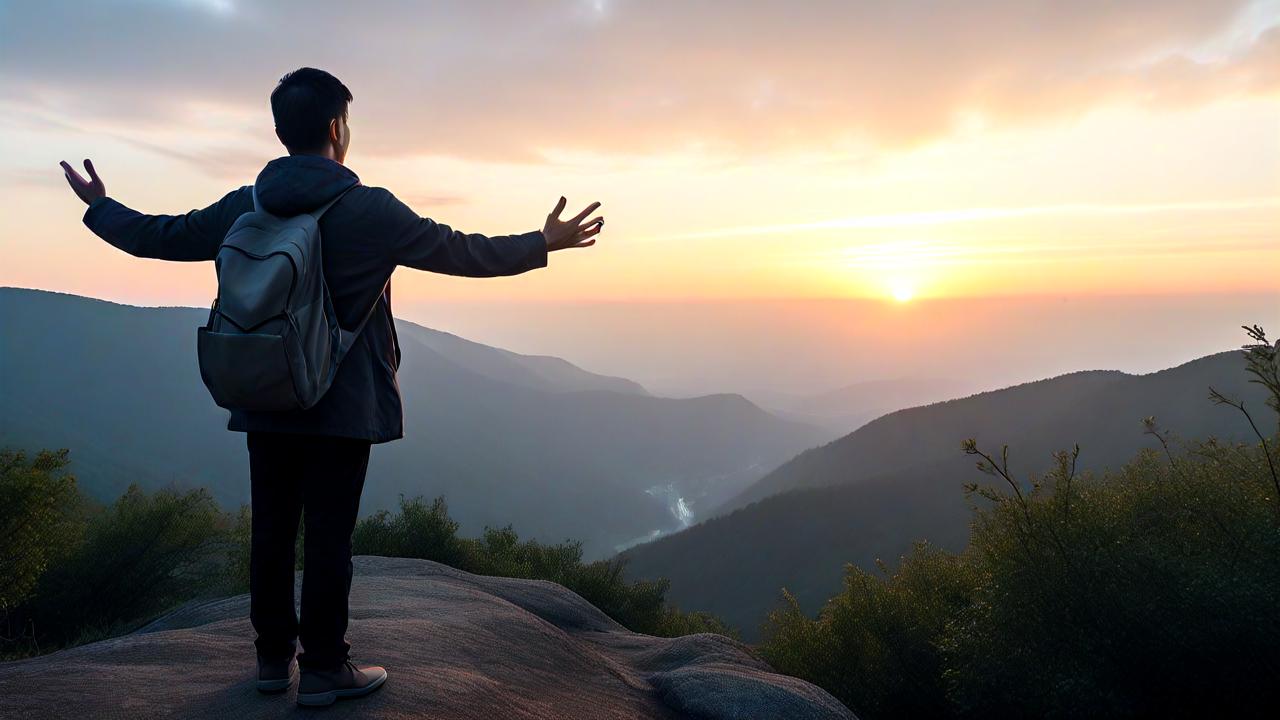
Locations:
(303, 104)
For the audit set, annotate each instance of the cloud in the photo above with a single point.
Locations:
(225, 161)
(508, 81)
(927, 218)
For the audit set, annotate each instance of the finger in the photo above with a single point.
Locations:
(587, 211)
(588, 243)
(88, 165)
(559, 206)
(597, 219)
(72, 176)
(73, 185)
(588, 231)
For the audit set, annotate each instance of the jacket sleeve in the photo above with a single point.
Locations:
(190, 237)
(424, 244)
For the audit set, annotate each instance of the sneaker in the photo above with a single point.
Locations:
(274, 676)
(323, 687)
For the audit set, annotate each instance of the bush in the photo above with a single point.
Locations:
(1147, 591)
(239, 545)
(41, 523)
(421, 530)
(139, 557)
(41, 519)
(418, 531)
(73, 571)
(876, 644)
(76, 571)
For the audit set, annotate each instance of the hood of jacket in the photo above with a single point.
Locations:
(297, 184)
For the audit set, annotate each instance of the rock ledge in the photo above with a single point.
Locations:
(456, 645)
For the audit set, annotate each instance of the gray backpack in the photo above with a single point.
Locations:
(272, 341)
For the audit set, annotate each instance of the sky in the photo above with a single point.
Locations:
(763, 166)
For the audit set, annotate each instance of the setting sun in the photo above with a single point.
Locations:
(902, 292)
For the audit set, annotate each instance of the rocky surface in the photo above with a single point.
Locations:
(455, 645)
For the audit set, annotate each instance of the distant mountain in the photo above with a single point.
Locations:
(845, 409)
(578, 455)
(539, 372)
(898, 479)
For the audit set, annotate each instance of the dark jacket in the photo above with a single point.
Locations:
(365, 236)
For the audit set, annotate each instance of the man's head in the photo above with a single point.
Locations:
(310, 110)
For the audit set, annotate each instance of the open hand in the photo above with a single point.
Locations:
(571, 233)
(87, 190)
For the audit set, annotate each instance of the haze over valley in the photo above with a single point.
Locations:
(529, 441)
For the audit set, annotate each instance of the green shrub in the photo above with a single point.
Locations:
(102, 570)
(421, 530)
(140, 556)
(239, 545)
(876, 644)
(1147, 591)
(1144, 592)
(41, 520)
(73, 571)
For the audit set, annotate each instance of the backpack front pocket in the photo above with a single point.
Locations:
(249, 371)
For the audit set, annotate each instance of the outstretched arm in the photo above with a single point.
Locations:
(425, 244)
(190, 237)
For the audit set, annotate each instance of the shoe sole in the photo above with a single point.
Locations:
(274, 686)
(332, 696)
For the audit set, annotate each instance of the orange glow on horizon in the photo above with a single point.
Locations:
(1193, 208)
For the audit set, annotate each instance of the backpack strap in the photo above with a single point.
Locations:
(325, 207)
(347, 338)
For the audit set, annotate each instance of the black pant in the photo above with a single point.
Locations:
(323, 477)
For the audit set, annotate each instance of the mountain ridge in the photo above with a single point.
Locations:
(868, 495)
(1098, 378)
(559, 453)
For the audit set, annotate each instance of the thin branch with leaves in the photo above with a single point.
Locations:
(1262, 361)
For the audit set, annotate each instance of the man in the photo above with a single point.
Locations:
(311, 463)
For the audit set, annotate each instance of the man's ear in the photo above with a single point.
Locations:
(335, 135)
